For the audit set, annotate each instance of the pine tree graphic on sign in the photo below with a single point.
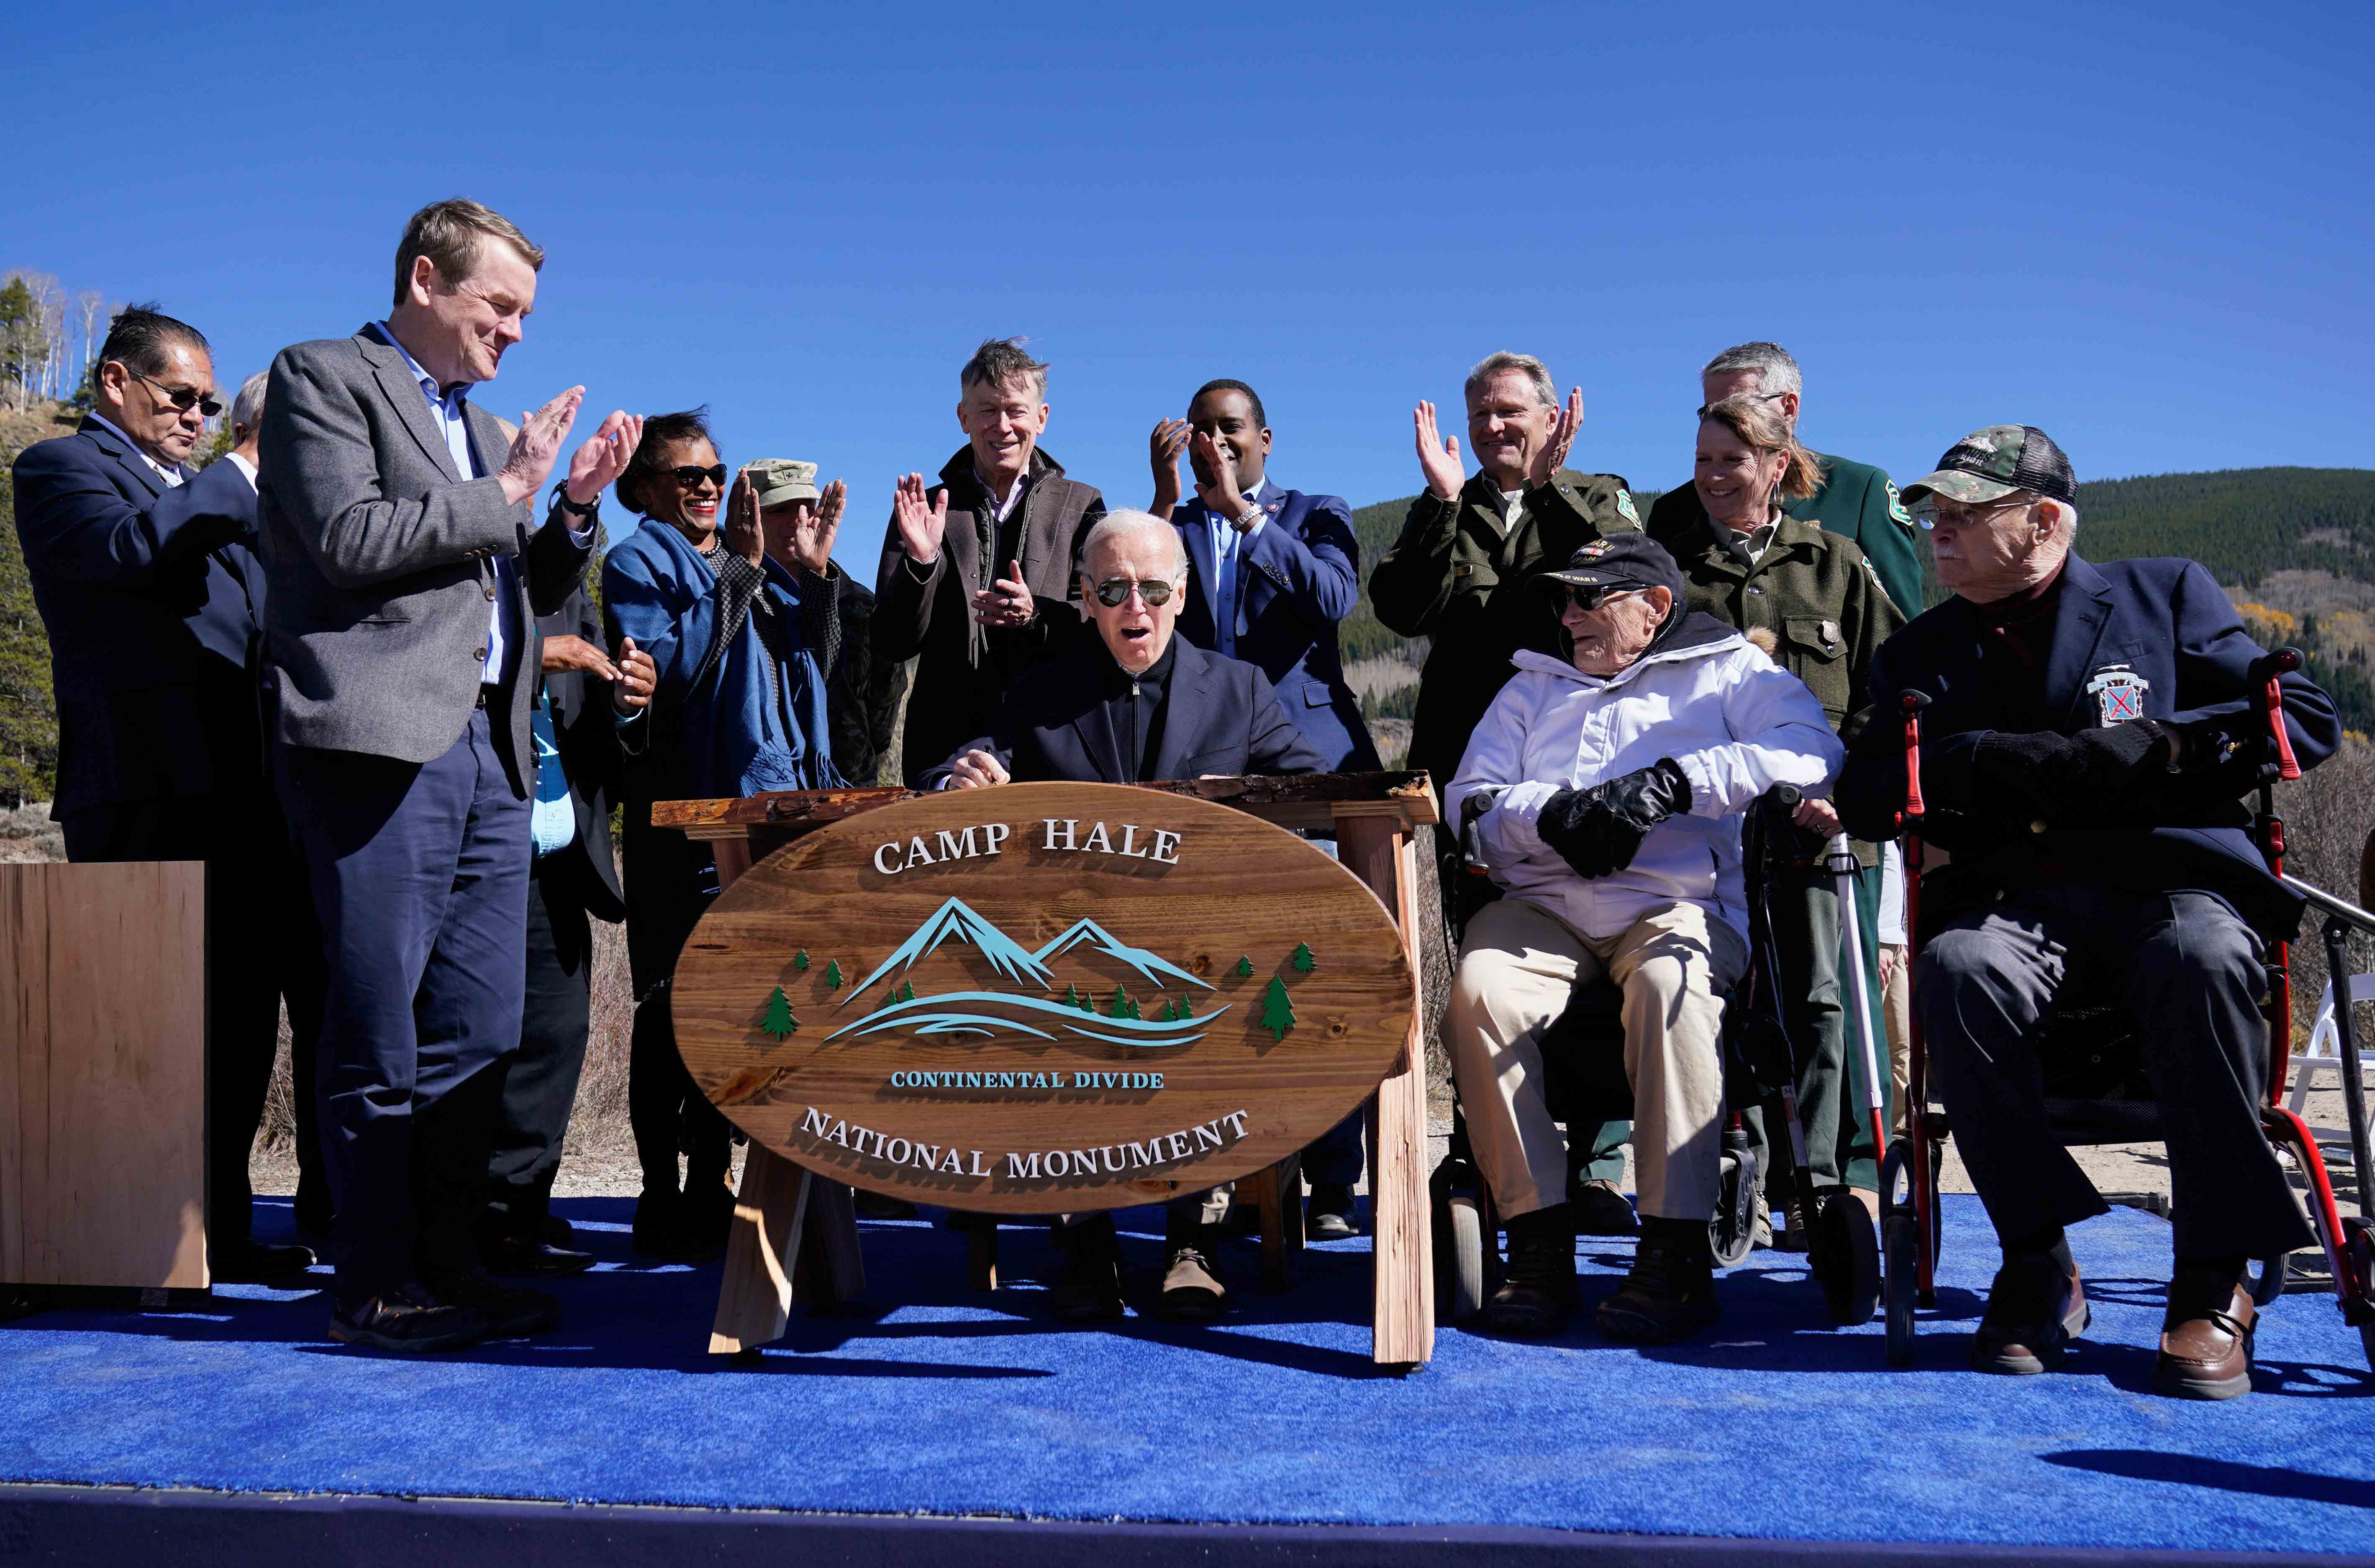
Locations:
(907, 991)
(833, 975)
(1133, 1007)
(1278, 1013)
(779, 1021)
(800, 961)
(1301, 962)
(1072, 996)
(1244, 968)
(1119, 1006)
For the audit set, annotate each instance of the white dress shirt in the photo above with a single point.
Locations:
(445, 409)
(172, 477)
(1227, 542)
(243, 465)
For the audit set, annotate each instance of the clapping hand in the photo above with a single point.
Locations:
(744, 537)
(1219, 459)
(1006, 602)
(566, 650)
(638, 678)
(805, 538)
(1552, 455)
(1439, 456)
(535, 446)
(920, 519)
(605, 457)
(1162, 450)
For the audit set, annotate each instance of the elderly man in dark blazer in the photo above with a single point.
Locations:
(406, 571)
(975, 582)
(1132, 704)
(146, 577)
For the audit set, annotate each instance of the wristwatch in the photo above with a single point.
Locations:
(560, 496)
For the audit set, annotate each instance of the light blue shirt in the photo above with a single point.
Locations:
(445, 409)
(552, 820)
(1227, 541)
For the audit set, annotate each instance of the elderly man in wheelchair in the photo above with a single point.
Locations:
(1606, 791)
(2085, 736)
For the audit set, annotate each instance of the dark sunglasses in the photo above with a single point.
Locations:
(1587, 599)
(182, 398)
(1114, 592)
(690, 477)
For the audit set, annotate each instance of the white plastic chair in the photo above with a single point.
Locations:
(2324, 1054)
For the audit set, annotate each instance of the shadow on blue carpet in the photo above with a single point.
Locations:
(929, 1398)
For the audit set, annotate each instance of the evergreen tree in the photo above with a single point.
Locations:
(29, 713)
(800, 961)
(1244, 968)
(1119, 1006)
(833, 975)
(1301, 962)
(1088, 1003)
(1278, 1013)
(1072, 996)
(906, 992)
(779, 1021)
(1133, 1007)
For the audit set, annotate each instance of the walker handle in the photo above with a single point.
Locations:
(2268, 673)
(1910, 702)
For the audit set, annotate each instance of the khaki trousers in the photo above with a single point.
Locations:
(1896, 1005)
(1516, 970)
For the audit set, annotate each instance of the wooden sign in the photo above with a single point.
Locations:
(1043, 997)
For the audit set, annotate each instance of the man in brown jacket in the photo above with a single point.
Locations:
(976, 582)
(1460, 575)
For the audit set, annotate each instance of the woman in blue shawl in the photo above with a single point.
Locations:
(741, 625)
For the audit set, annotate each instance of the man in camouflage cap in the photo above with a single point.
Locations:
(2091, 733)
(782, 480)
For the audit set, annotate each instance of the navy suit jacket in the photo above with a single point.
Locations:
(2168, 639)
(153, 597)
(1220, 717)
(585, 732)
(1296, 578)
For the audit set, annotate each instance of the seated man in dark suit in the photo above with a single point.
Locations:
(2090, 734)
(1271, 572)
(1136, 704)
(146, 577)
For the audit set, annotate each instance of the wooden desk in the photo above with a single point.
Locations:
(795, 1234)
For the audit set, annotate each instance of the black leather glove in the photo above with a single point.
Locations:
(2069, 777)
(1598, 831)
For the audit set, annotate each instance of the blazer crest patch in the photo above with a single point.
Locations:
(2119, 694)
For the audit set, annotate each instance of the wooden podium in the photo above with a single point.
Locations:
(102, 1076)
(795, 1234)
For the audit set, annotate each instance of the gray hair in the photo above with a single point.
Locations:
(1776, 372)
(1125, 524)
(247, 408)
(1526, 365)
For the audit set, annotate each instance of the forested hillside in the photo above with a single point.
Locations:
(2293, 546)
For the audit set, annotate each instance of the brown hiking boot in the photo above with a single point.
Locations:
(1669, 1294)
(1537, 1293)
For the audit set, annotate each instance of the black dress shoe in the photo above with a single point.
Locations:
(253, 1262)
(408, 1319)
(509, 1311)
(515, 1254)
(556, 1231)
(1331, 1215)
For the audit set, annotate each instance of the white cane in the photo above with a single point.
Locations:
(1841, 862)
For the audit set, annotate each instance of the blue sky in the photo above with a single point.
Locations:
(2144, 229)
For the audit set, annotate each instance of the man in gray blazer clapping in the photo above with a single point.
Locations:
(406, 571)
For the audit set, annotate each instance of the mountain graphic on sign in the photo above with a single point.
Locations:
(1043, 1017)
(1005, 954)
(1151, 965)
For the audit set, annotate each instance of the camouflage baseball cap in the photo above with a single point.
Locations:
(782, 480)
(1990, 463)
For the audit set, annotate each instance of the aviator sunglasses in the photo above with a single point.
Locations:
(182, 398)
(1589, 600)
(689, 478)
(1114, 592)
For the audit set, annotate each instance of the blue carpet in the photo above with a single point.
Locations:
(931, 1400)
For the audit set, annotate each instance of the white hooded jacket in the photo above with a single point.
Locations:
(1737, 723)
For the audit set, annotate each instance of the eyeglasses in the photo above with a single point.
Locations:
(1930, 514)
(182, 398)
(1589, 599)
(689, 478)
(1114, 592)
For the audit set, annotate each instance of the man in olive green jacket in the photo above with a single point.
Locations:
(1856, 501)
(1460, 575)
(1817, 597)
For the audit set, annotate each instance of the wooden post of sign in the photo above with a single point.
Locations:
(1376, 845)
(780, 1213)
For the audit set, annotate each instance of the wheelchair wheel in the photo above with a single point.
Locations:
(1732, 1232)
(1463, 1265)
(1845, 1257)
(1900, 1242)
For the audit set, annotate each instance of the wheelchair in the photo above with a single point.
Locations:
(1584, 1080)
(2096, 1091)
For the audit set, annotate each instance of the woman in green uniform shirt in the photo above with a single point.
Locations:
(1811, 599)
